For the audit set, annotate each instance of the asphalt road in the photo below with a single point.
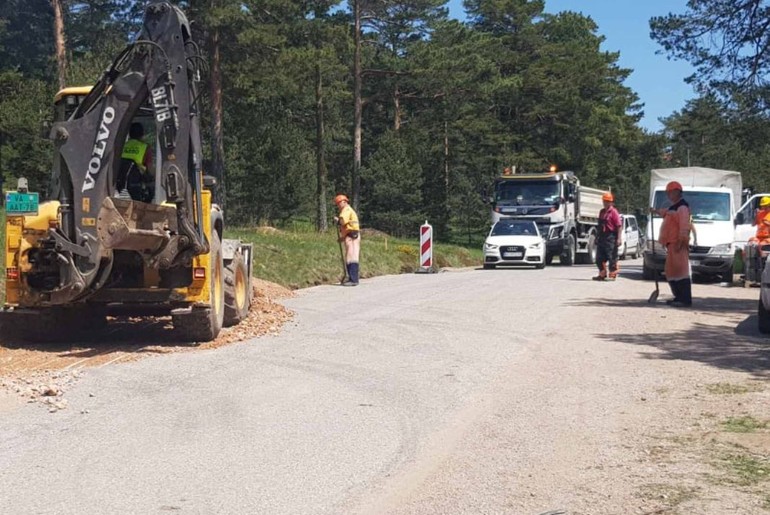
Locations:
(470, 391)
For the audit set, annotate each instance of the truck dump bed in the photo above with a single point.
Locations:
(589, 203)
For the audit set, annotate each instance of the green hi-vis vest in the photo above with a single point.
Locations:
(135, 150)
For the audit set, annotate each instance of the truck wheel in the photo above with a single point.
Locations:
(204, 324)
(568, 254)
(763, 319)
(591, 256)
(237, 290)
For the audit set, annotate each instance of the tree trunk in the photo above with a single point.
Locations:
(217, 136)
(446, 170)
(396, 109)
(59, 42)
(358, 107)
(321, 222)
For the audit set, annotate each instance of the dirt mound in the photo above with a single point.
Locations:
(43, 372)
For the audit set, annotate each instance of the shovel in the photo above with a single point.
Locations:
(654, 295)
(342, 257)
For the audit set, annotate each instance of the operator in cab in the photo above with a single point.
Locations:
(138, 180)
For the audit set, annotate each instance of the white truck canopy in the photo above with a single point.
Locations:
(696, 176)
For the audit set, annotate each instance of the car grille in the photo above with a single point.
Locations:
(700, 250)
(512, 248)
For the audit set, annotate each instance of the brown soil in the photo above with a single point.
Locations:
(43, 372)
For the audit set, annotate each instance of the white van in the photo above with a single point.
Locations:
(631, 238)
(714, 197)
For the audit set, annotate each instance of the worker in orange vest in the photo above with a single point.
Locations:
(675, 237)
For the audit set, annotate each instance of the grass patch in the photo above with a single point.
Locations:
(746, 470)
(745, 424)
(670, 495)
(298, 257)
(732, 389)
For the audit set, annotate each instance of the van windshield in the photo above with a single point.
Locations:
(704, 205)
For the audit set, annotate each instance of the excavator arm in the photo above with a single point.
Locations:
(159, 69)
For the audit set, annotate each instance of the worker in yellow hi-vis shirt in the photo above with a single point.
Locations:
(350, 235)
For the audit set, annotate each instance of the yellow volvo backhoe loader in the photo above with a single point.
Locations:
(98, 246)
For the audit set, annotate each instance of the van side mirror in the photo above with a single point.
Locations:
(571, 197)
(740, 219)
(209, 181)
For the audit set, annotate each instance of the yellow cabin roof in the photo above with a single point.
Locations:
(75, 90)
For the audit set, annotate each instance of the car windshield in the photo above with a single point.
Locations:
(514, 228)
(704, 205)
(527, 193)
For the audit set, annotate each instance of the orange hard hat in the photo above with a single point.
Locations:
(673, 185)
(339, 198)
(608, 197)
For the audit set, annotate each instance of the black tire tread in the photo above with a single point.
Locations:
(235, 314)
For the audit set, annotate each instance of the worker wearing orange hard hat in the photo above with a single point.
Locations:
(675, 237)
(609, 238)
(349, 234)
(762, 221)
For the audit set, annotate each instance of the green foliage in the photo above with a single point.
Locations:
(392, 188)
(728, 44)
(24, 104)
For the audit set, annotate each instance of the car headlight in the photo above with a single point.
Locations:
(724, 249)
(489, 246)
(535, 245)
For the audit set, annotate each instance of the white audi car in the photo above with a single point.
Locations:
(514, 242)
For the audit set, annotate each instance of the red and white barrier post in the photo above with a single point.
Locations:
(426, 247)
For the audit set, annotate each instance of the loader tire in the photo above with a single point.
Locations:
(237, 290)
(204, 324)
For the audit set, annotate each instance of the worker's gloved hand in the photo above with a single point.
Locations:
(336, 219)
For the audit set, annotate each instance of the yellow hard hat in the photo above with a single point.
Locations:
(764, 202)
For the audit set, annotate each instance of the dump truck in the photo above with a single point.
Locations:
(566, 212)
(90, 248)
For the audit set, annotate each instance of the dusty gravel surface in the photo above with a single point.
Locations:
(44, 372)
(472, 391)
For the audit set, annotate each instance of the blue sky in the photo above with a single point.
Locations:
(625, 26)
